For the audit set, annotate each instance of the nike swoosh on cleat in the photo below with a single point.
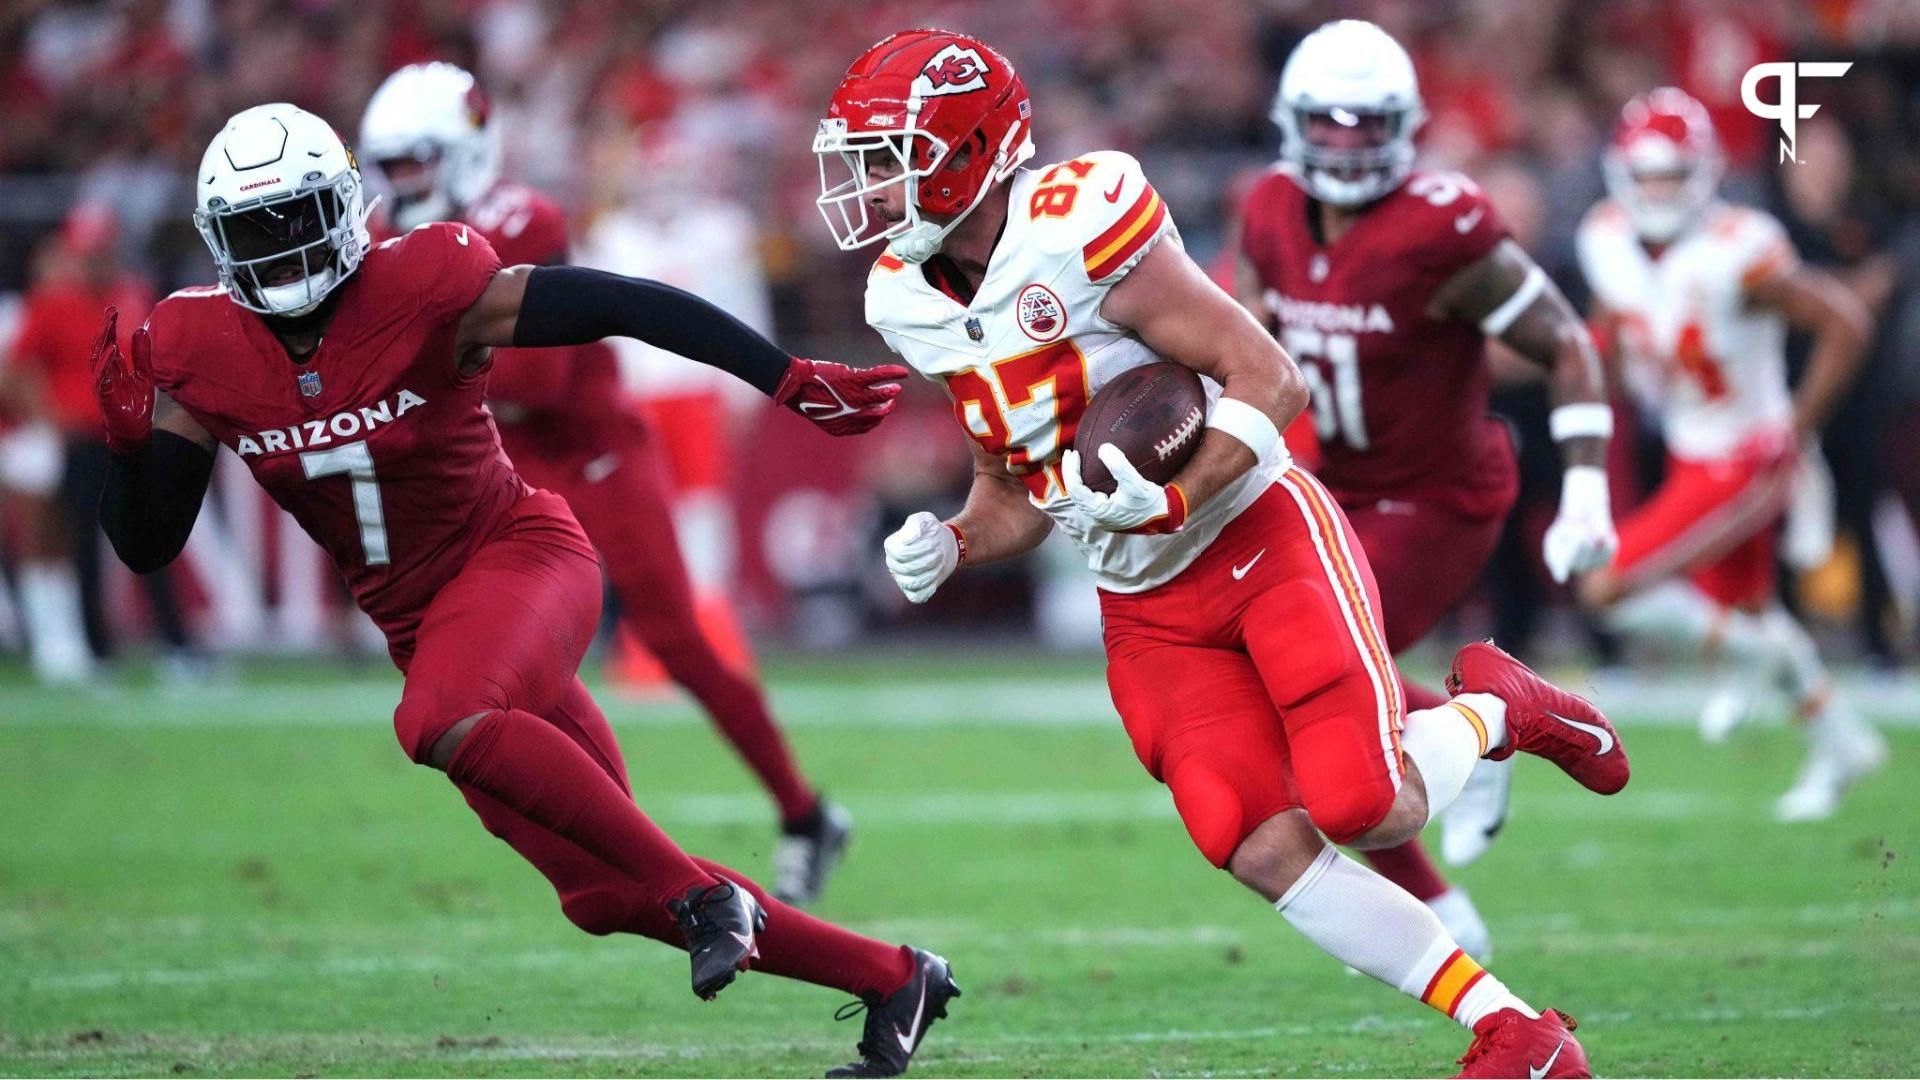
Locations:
(1242, 571)
(912, 1034)
(1605, 736)
(1539, 1072)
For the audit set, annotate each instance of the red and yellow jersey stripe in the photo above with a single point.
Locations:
(1109, 251)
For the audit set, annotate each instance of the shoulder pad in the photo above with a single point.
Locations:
(1099, 206)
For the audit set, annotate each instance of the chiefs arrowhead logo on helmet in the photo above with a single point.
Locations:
(955, 69)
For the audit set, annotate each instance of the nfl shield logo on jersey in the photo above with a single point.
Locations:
(1040, 313)
(974, 329)
(309, 384)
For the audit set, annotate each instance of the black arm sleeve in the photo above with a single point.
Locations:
(571, 305)
(152, 498)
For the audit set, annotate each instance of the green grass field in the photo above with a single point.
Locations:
(250, 879)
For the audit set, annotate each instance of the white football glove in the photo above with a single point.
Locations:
(1136, 500)
(1581, 537)
(920, 555)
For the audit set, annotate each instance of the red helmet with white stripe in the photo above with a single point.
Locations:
(1664, 163)
(941, 114)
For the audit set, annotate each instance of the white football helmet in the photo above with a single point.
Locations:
(426, 131)
(1348, 75)
(282, 207)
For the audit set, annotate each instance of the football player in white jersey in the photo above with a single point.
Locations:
(1696, 295)
(1242, 629)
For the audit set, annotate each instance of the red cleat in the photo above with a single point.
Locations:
(1543, 719)
(1509, 1044)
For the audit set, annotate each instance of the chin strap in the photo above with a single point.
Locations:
(922, 241)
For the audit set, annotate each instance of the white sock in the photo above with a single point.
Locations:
(1675, 613)
(1445, 743)
(1800, 669)
(50, 606)
(1377, 928)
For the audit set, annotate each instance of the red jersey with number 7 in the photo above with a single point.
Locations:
(1399, 396)
(378, 446)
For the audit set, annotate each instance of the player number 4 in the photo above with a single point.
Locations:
(355, 461)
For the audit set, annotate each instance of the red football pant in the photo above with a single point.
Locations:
(623, 501)
(1712, 521)
(1259, 680)
(504, 639)
(1426, 558)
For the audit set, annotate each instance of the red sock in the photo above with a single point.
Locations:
(601, 900)
(1409, 867)
(534, 769)
(800, 946)
(739, 710)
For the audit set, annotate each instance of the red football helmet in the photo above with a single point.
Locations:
(942, 114)
(1664, 164)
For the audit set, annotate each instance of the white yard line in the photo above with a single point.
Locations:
(1564, 932)
(911, 702)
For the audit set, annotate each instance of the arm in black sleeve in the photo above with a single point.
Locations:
(152, 498)
(571, 305)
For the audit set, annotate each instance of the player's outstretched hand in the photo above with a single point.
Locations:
(921, 554)
(124, 390)
(840, 400)
(1137, 504)
(1581, 537)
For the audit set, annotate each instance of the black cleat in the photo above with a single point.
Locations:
(897, 1023)
(807, 853)
(720, 922)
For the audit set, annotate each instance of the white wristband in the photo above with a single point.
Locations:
(1581, 420)
(1248, 424)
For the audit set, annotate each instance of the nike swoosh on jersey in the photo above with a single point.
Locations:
(1114, 195)
(1605, 737)
(462, 237)
(1242, 571)
(1539, 1072)
(1465, 222)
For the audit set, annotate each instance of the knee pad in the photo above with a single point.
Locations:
(1210, 808)
(1349, 811)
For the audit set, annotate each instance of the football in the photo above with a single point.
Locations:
(1154, 413)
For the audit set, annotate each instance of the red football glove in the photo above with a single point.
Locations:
(839, 399)
(125, 391)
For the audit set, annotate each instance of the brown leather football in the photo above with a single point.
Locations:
(1156, 413)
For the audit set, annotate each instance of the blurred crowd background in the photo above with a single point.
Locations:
(677, 134)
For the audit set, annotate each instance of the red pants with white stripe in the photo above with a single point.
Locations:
(1258, 680)
(1712, 521)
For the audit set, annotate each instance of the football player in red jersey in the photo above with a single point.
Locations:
(1244, 648)
(1385, 283)
(351, 380)
(566, 426)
